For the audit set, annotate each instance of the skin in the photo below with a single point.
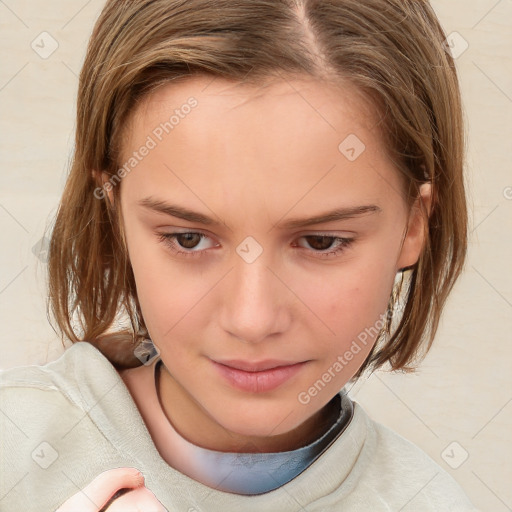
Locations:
(96, 497)
(251, 158)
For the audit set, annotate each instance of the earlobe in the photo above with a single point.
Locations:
(417, 229)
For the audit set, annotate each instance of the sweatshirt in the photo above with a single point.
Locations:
(64, 423)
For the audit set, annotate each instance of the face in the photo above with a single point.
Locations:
(225, 276)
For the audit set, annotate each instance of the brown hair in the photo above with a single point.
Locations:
(392, 51)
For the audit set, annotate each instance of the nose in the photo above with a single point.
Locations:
(254, 303)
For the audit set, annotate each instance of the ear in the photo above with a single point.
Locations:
(102, 179)
(417, 227)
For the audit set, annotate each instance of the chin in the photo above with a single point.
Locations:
(259, 423)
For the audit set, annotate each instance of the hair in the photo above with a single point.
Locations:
(392, 51)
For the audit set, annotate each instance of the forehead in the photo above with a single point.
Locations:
(291, 94)
(292, 116)
(273, 141)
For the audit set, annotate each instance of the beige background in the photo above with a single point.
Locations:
(462, 393)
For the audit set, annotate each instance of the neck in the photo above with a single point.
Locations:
(195, 425)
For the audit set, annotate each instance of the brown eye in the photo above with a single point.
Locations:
(188, 240)
(320, 243)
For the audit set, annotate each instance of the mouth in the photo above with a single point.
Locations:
(258, 377)
(248, 366)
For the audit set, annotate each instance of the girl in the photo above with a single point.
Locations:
(272, 191)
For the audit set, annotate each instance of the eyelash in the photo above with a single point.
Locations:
(168, 240)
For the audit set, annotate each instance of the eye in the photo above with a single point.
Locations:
(177, 241)
(325, 242)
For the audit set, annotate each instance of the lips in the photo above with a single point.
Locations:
(257, 377)
(248, 366)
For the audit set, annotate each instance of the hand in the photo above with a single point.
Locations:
(102, 494)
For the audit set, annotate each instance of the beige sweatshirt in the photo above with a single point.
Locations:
(64, 423)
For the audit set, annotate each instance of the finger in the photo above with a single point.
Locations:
(117, 495)
(95, 495)
(138, 500)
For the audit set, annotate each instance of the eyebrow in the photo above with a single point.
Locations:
(180, 212)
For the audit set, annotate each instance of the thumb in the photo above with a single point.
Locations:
(105, 485)
(94, 496)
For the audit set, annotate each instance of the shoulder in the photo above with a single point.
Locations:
(81, 354)
(73, 381)
(52, 416)
(33, 398)
(81, 371)
(404, 472)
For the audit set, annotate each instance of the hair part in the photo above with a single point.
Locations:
(392, 51)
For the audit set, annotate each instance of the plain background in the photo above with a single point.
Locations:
(458, 406)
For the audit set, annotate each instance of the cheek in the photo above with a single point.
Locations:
(351, 295)
(163, 294)
(166, 298)
(351, 306)
(351, 302)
